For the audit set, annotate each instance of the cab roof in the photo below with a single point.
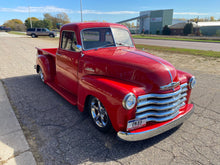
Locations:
(86, 25)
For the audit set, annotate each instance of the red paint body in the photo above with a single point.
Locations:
(108, 74)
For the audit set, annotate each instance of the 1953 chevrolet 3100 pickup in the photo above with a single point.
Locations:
(98, 69)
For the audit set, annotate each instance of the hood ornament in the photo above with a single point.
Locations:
(171, 85)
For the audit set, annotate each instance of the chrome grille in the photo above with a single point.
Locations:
(161, 107)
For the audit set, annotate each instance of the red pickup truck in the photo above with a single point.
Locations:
(97, 68)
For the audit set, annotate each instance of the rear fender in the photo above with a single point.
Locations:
(111, 93)
(47, 65)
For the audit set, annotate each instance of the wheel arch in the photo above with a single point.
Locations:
(46, 64)
(111, 95)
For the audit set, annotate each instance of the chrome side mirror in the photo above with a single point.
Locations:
(78, 48)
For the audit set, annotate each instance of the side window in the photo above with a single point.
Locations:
(43, 30)
(108, 37)
(68, 41)
(38, 30)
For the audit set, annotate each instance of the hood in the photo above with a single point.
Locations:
(130, 64)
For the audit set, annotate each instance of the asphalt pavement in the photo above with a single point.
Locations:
(58, 133)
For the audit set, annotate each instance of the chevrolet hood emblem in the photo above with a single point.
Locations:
(172, 85)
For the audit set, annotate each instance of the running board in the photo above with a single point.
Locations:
(72, 99)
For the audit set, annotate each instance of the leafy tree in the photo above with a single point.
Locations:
(212, 18)
(42, 24)
(57, 20)
(166, 30)
(27, 22)
(15, 24)
(188, 29)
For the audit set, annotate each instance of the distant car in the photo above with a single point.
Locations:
(4, 28)
(35, 32)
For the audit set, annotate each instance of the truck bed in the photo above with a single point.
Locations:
(50, 51)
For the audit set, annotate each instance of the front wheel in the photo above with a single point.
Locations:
(99, 115)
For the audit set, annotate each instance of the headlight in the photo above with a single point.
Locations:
(129, 101)
(192, 82)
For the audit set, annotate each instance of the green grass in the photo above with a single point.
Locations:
(175, 38)
(18, 33)
(179, 50)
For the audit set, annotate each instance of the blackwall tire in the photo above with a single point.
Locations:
(99, 115)
(33, 35)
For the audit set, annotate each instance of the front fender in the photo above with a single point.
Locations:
(111, 93)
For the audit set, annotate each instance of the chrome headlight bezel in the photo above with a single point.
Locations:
(192, 82)
(129, 101)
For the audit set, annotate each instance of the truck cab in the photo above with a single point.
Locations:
(97, 68)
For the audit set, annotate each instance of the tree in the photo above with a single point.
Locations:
(27, 22)
(15, 24)
(188, 29)
(42, 24)
(166, 30)
(57, 20)
(212, 18)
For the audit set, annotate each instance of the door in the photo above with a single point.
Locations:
(67, 62)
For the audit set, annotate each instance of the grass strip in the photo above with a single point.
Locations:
(175, 39)
(18, 33)
(205, 53)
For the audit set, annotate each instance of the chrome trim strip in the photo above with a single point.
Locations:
(127, 136)
(58, 54)
(162, 108)
(164, 101)
(164, 115)
(163, 95)
(164, 118)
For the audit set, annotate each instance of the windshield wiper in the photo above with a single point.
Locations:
(107, 45)
(122, 44)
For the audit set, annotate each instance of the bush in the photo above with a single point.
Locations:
(166, 30)
(188, 29)
(158, 32)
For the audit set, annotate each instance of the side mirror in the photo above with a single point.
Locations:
(78, 48)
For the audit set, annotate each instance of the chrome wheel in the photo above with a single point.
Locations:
(99, 114)
(41, 75)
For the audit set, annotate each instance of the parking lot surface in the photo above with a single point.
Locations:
(59, 134)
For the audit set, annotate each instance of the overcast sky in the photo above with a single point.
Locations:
(111, 11)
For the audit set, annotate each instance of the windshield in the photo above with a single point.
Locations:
(105, 37)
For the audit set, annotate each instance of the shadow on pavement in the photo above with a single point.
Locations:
(60, 133)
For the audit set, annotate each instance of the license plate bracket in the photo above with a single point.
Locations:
(136, 123)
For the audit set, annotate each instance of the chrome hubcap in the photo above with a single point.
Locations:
(41, 75)
(99, 113)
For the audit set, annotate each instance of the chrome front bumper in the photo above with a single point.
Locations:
(127, 136)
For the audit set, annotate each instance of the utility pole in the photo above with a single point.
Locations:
(81, 10)
(30, 15)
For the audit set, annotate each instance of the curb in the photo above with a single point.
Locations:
(14, 149)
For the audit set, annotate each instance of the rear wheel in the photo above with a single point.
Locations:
(33, 35)
(99, 115)
(41, 74)
(51, 35)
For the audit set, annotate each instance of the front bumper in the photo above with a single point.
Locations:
(136, 136)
